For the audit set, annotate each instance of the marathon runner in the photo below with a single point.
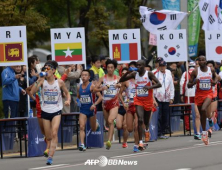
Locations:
(88, 106)
(144, 96)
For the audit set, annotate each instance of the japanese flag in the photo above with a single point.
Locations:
(154, 21)
(210, 14)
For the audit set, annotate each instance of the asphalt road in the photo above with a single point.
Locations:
(175, 153)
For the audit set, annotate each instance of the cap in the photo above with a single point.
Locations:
(162, 63)
(102, 58)
(192, 64)
(159, 59)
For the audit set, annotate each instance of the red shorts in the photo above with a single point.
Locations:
(199, 100)
(131, 109)
(110, 104)
(38, 107)
(146, 104)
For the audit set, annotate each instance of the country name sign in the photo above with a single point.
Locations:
(124, 45)
(13, 46)
(213, 40)
(172, 45)
(68, 45)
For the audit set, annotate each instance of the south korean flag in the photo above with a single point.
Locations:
(172, 45)
(154, 21)
(209, 11)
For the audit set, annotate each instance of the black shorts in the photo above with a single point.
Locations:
(50, 116)
(33, 104)
(121, 111)
(214, 99)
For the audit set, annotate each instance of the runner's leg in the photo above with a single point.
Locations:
(112, 115)
(82, 124)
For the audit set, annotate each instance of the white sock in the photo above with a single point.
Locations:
(204, 132)
(198, 133)
(141, 141)
(147, 130)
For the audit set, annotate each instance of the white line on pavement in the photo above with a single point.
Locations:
(51, 166)
(129, 155)
(216, 142)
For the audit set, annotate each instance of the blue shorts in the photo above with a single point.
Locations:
(89, 113)
(50, 116)
(121, 111)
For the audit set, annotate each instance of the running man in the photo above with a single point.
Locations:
(110, 97)
(131, 116)
(213, 106)
(88, 106)
(121, 117)
(144, 96)
(204, 77)
(51, 105)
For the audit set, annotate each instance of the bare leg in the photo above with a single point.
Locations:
(197, 119)
(82, 124)
(125, 131)
(203, 113)
(93, 123)
(112, 115)
(140, 114)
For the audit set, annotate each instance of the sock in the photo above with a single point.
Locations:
(141, 141)
(147, 130)
(198, 133)
(204, 132)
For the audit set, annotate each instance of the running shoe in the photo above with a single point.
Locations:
(197, 137)
(49, 161)
(124, 145)
(163, 137)
(135, 149)
(205, 138)
(211, 123)
(98, 125)
(147, 136)
(141, 147)
(46, 153)
(209, 133)
(108, 145)
(82, 147)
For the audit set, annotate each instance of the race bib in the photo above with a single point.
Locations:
(205, 85)
(141, 92)
(85, 99)
(111, 92)
(51, 97)
(132, 94)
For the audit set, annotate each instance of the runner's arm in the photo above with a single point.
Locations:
(122, 88)
(65, 90)
(97, 87)
(100, 98)
(192, 80)
(28, 91)
(152, 77)
(37, 85)
(127, 76)
(214, 82)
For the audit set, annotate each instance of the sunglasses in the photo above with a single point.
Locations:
(48, 67)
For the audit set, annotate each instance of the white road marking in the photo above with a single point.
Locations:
(216, 142)
(129, 155)
(51, 166)
(184, 169)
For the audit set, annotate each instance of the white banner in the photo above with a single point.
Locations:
(124, 45)
(68, 45)
(172, 45)
(13, 46)
(213, 40)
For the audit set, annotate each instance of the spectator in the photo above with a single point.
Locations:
(22, 81)
(11, 91)
(158, 60)
(72, 75)
(117, 70)
(103, 63)
(88, 63)
(132, 64)
(38, 65)
(164, 97)
(49, 57)
(96, 70)
(148, 68)
(217, 67)
(184, 91)
(33, 76)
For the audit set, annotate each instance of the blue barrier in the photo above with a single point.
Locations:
(7, 138)
(175, 121)
(95, 139)
(154, 126)
(67, 131)
(36, 143)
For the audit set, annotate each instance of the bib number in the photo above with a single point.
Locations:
(141, 92)
(50, 97)
(85, 100)
(111, 92)
(205, 85)
(132, 94)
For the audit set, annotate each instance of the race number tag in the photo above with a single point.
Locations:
(111, 92)
(51, 97)
(205, 85)
(141, 92)
(132, 94)
(85, 99)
